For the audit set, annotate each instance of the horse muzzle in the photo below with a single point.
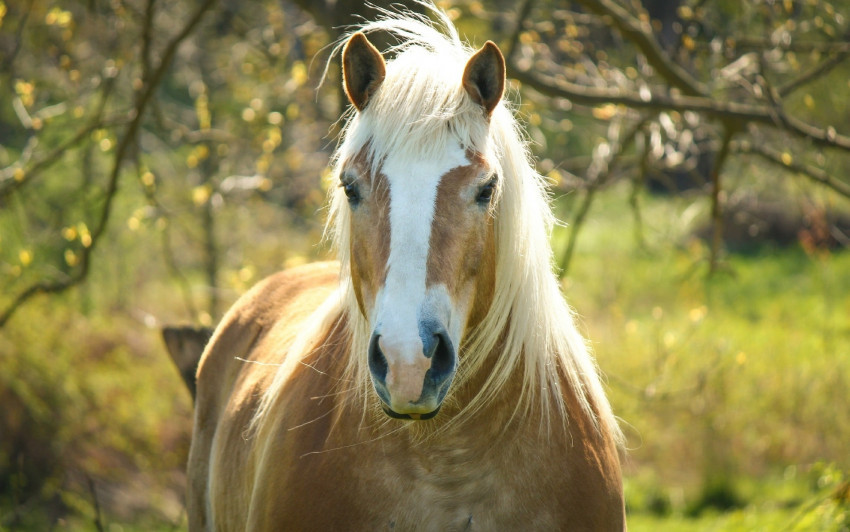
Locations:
(413, 378)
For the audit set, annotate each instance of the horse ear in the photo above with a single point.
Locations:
(484, 76)
(363, 70)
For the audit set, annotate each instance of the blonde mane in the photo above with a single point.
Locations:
(421, 106)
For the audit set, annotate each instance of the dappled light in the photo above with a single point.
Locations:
(158, 159)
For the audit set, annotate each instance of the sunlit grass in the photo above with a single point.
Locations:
(723, 383)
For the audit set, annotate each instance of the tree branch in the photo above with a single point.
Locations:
(785, 161)
(722, 110)
(522, 16)
(10, 177)
(124, 146)
(640, 33)
(813, 74)
(716, 204)
(596, 179)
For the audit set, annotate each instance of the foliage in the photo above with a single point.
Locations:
(74, 434)
(728, 388)
(157, 158)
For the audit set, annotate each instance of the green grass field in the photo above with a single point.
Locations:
(733, 390)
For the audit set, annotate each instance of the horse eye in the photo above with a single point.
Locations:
(352, 192)
(485, 194)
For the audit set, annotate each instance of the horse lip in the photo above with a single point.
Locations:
(415, 417)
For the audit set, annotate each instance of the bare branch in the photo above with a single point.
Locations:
(722, 110)
(787, 162)
(124, 146)
(9, 60)
(596, 179)
(9, 181)
(640, 33)
(15, 176)
(716, 207)
(813, 74)
(830, 47)
(522, 16)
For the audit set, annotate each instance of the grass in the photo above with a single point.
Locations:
(732, 390)
(724, 384)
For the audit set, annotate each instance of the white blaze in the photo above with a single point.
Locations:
(413, 195)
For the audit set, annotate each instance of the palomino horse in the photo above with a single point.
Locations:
(433, 379)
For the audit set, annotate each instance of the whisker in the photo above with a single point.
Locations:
(313, 420)
(258, 363)
(382, 436)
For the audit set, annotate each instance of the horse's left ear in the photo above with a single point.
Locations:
(484, 76)
(363, 70)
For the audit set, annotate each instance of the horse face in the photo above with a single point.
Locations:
(422, 244)
(422, 265)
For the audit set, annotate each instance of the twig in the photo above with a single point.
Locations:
(9, 181)
(722, 110)
(9, 60)
(787, 162)
(813, 74)
(597, 178)
(522, 16)
(638, 184)
(98, 522)
(716, 206)
(144, 97)
(640, 33)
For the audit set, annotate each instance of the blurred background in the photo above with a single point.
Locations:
(157, 158)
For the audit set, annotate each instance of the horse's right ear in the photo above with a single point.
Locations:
(363, 70)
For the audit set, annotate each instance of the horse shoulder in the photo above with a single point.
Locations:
(593, 491)
(226, 378)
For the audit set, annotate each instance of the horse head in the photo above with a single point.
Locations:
(421, 201)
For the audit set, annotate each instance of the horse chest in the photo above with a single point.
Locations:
(457, 488)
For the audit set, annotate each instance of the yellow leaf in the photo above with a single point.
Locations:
(292, 111)
(605, 112)
(275, 118)
(786, 158)
(25, 257)
(85, 235)
(70, 257)
(809, 101)
(555, 177)
(69, 233)
(299, 72)
(201, 194)
(148, 179)
(698, 313)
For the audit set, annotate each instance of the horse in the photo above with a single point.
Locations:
(433, 377)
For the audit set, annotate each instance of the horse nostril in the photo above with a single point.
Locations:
(442, 357)
(377, 360)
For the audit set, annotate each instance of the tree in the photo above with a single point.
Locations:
(677, 81)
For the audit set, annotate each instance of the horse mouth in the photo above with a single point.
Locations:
(413, 416)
